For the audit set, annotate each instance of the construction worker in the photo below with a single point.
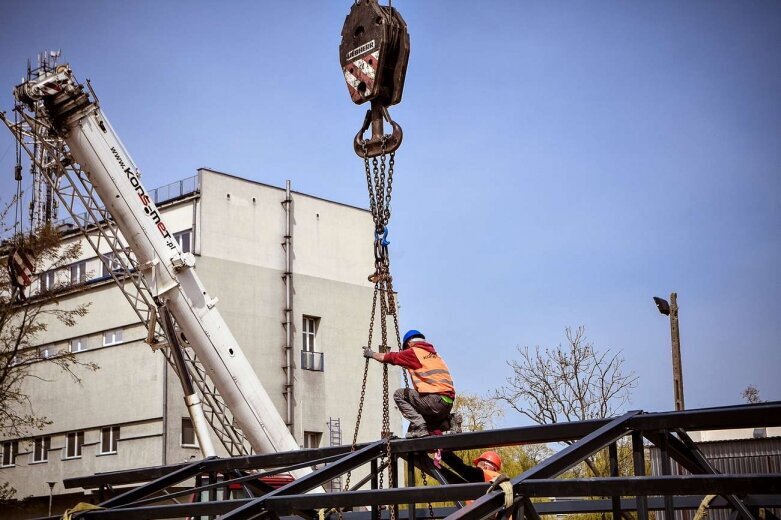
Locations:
(427, 406)
(486, 467)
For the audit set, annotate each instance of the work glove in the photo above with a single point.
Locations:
(503, 482)
(368, 352)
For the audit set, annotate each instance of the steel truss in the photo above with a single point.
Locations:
(161, 488)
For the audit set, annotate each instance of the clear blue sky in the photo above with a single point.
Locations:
(562, 162)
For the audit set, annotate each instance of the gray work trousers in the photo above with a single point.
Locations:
(427, 409)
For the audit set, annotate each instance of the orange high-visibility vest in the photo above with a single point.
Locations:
(433, 376)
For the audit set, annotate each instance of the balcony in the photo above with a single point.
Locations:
(312, 361)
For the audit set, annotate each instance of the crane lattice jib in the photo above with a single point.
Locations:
(74, 116)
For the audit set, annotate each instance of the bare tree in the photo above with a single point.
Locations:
(478, 413)
(567, 383)
(750, 394)
(22, 325)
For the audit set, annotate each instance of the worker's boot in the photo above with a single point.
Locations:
(416, 430)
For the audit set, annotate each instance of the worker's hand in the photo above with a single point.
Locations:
(368, 352)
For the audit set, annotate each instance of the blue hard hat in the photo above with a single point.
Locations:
(411, 334)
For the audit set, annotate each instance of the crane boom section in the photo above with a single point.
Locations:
(78, 119)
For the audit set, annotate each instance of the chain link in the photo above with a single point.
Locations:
(425, 483)
(379, 182)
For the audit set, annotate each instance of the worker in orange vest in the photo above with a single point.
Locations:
(487, 468)
(427, 406)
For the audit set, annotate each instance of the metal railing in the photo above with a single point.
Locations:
(169, 192)
(312, 361)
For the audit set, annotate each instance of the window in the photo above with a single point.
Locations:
(73, 443)
(47, 281)
(310, 359)
(78, 344)
(10, 449)
(110, 263)
(188, 433)
(79, 272)
(45, 351)
(185, 239)
(108, 439)
(312, 439)
(309, 333)
(41, 449)
(112, 337)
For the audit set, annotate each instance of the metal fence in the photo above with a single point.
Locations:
(169, 192)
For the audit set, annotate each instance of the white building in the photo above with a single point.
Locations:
(130, 412)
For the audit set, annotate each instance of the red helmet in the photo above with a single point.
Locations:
(490, 456)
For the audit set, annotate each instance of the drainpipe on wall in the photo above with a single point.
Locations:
(165, 412)
(288, 278)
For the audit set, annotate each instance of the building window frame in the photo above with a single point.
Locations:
(311, 359)
(312, 439)
(10, 451)
(41, 447)
(74, 443)
(109, 437)
(46, 280)
(309, 326)
(112, 337)
(185, 240)
(188, 438)
(78, 272)
(109, 263)
(77, 345)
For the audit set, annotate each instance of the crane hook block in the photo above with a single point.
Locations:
(374, 53)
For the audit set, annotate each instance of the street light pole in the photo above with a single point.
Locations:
(676, 342)
(671, 310)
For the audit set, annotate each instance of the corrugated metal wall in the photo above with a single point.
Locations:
(743, 456)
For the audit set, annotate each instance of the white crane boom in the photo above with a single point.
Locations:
(78, 119)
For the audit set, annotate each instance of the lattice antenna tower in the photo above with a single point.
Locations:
(43, 203)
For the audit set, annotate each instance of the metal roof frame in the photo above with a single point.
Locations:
(744, 494)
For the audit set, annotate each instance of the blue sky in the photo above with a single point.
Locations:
(562, 162)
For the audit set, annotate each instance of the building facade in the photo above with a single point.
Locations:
(257, 254)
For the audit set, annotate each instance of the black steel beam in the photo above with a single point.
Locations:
(155, 486)
(739, 506)
(273, 460)
(627, 486)
(552, 466)
(593, 435)
(544, 433)
(764, 414)
(741, 416)
(309, 482)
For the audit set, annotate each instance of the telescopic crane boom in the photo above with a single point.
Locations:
(76, 117)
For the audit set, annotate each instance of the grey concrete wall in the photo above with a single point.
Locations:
(241, 261)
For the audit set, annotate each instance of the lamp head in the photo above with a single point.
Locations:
(662, 305)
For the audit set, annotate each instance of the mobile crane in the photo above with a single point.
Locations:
(65, 117)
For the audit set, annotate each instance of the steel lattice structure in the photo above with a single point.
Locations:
(157, 489)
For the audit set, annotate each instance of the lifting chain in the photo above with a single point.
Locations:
(379, 181)
(425, 483)
(373, 54)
